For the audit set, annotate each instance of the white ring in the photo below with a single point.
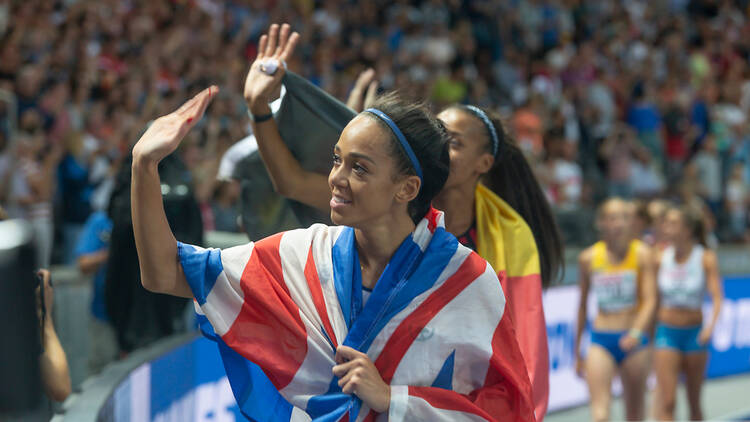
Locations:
(270, 67)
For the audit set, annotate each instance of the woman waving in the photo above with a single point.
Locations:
(362, 318)
(492, 202)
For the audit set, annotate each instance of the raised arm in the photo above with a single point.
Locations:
(363, 92)
(287, 175)
(42, 183)
(156, 245)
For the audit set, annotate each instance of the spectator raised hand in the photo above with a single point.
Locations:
(364, 91)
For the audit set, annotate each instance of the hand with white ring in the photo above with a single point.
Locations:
(269, 67)
(266, 73)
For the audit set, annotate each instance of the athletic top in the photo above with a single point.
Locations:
(615, 285)
(682, 285)
(469, 238)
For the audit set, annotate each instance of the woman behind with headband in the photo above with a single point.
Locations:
(369, 317)
(494, 205)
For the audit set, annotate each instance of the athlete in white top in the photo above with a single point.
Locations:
(682, 284)
(687, 270)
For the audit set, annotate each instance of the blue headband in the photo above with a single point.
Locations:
(490, 127)
(401, 139)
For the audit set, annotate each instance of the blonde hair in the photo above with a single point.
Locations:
(607, 203)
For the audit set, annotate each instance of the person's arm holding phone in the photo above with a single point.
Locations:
(53, 364)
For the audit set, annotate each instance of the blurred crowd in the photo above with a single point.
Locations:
(634, 98)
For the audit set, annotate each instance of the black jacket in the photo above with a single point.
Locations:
(139, 316)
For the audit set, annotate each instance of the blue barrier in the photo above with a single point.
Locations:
(729, 350)
(208, 388)
(730, 345)
(188, 383)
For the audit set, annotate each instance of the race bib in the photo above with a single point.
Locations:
(615, 291)
(679, 288)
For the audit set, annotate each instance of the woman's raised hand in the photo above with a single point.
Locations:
(364, 91)
(273, 50)
(166, 132)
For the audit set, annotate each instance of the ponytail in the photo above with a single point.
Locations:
(513, 180)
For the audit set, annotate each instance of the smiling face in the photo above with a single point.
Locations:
(366, 189)
(468, 148)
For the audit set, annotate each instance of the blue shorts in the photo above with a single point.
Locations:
(682, 339)
(610, 341)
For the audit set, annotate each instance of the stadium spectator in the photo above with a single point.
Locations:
(738, 199)
(708, 163)
(54, 372)
(564, 177)
(92, 253)
(32, 183)
(224, 206)
(674, 72)
(619, 151)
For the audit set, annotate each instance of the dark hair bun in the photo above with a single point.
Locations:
(429, 141)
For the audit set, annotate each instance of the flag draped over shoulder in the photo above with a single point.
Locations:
(436, 326)
(507, 243)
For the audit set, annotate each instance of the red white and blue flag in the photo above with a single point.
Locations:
(435, 326)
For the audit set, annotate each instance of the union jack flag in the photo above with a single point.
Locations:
(436, 327)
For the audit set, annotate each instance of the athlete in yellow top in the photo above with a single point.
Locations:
(620, 272)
